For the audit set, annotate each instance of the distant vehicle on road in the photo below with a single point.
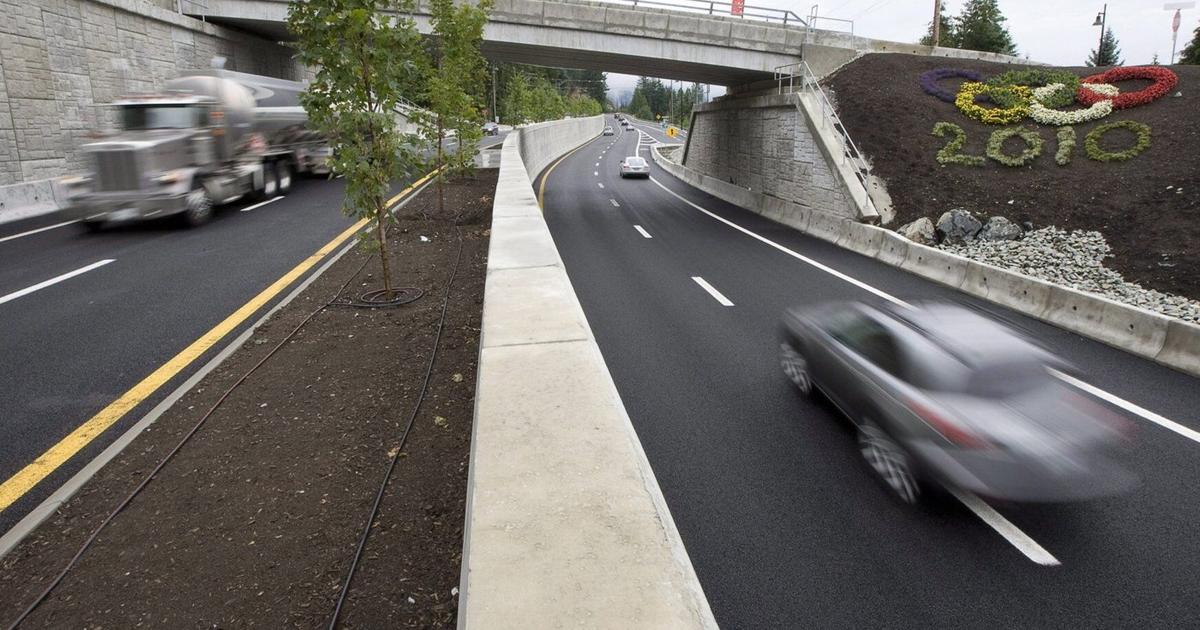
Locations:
(634, 166)
(208, 138)
(491, 129)
(608, 130)
(624, 122)
(942, 395)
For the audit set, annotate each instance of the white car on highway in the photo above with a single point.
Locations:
(634, 166)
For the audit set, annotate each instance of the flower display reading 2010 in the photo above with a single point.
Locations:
(1043, 96)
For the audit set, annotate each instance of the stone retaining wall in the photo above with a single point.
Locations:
(63, 61)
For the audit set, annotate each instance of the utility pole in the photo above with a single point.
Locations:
(937, 22)
(495, 112)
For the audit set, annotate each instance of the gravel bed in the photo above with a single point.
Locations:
(1074, 259)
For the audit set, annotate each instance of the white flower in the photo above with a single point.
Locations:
(1103, 89)
(1046, 116)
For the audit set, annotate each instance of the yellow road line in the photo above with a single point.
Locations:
(32, 474)
(542, 187)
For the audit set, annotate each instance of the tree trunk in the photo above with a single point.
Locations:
(441, 133)
(381, 234)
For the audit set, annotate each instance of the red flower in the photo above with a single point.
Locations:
(1164, 80)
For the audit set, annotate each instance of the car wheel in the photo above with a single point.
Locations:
(283, 177)
(199, 207)
(92, 227)
(889, 461)
(795, 367)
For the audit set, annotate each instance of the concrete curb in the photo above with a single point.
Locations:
(1171, 342)
(565, 524)
(31, 199)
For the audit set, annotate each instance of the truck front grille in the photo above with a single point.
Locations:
(117, 170)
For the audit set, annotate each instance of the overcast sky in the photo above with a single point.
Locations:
(1059, 32)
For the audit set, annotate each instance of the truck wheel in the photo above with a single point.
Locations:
(270, 184)
(283, 177)
(199, 207)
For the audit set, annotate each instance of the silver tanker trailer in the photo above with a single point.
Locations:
(208, 138)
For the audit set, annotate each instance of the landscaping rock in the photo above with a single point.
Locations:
(919, 231)
(958, 226)
(1000, 229)
(1074, 259)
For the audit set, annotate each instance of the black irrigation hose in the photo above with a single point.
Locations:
(395, 454)
(188, 436)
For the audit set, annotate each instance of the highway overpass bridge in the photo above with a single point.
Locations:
(686, 40)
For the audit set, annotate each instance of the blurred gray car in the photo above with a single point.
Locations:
(942, 395)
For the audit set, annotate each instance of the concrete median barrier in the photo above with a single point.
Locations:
(565, 525)
(935, 264)
(1181, 346)
(864, 239)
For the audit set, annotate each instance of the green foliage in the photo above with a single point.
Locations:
(1033, 146)
(1109, 53)
(1035, 78)
(1066, 145)
(640, 105)
(533, 97)
(366, 60)
(980, 26)
(1191, 53)
(949, 154)
(947, 38)
(453, 92)
(533, 93)
(1091, 143)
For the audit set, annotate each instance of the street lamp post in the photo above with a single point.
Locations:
(1101, 18)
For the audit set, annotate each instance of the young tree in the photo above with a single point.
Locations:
(454, 87)
(980, 26)
(363, 57)
(946, 37)
(1191, 52)
(1109, 53)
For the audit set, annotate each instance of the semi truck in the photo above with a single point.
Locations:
(210, 137)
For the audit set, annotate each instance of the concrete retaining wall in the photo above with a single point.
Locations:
(767, 146)
(1145, 333)
(566, 526)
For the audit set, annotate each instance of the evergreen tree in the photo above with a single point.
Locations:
(1191, 52)
(1109, 53)
(980, 27)
(946, 38)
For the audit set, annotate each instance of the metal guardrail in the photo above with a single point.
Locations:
(715, 7)
(808, 83)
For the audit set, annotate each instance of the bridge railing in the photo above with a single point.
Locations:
(799, 77)
(715, 7)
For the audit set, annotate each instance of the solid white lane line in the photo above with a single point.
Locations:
(600, 184)
(41, 229)
(1165, 423)
(642, 231)
(858, 283)
(262, 203)
(614, 203)
(712, 291)
(1005, 528)
(55, 280)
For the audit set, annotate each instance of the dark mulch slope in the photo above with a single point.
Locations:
(1153, 230)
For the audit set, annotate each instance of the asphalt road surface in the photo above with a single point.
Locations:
(784, 522)
(140, 295)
